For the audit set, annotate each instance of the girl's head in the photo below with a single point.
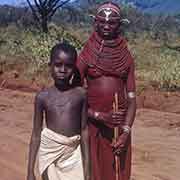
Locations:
(63, 58)
(107, 20)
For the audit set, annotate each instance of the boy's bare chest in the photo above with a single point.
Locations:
(58, 102)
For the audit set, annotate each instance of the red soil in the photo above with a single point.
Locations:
(156, 133)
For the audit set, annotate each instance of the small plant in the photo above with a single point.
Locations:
(34, 45)
(168, 74)
(30, 48)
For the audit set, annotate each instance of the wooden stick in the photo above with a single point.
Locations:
(116, 134)
(2, 84)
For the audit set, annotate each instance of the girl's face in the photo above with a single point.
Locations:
(107, 27)
(62, 67)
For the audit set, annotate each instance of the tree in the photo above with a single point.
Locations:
(43, 10)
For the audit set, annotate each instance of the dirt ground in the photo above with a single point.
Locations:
(156, 135)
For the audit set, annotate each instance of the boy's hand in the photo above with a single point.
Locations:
(87, 177)
(31, 177)
(87, 174)
(120, 144)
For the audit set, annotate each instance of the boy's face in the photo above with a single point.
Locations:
(62, 67)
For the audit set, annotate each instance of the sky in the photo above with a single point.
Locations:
(11, 2)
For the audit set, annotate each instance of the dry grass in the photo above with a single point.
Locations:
(154, 62)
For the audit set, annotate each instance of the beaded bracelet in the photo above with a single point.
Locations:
(126, 129)
(96, 114)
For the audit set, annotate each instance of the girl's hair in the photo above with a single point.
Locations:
(71, 51)
(110, 2)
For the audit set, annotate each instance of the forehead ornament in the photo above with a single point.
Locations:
(107, 12)
(108, 9)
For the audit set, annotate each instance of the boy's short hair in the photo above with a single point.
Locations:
(65, 47)
(71, 51)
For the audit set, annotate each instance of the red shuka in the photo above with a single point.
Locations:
(112, 60)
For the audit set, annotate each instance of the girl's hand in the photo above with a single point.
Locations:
(110, 118)
(118, 117)
(120, 144)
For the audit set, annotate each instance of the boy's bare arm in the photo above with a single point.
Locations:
(35, 137)
(85, 142)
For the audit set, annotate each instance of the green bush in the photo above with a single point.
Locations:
(154, 62)
(34, 45)
(168, 74)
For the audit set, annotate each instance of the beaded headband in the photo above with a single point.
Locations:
(108, 9)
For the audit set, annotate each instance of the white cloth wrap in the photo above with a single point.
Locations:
(60, 156)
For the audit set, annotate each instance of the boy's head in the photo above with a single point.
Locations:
(63, 63)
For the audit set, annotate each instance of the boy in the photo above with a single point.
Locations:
(64, 105)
